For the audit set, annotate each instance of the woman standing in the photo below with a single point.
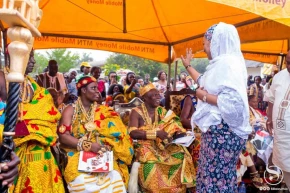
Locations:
(161, 84)
(222, 112)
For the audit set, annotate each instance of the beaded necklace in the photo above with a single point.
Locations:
(25, 96)
(147, 118)
(88, 123)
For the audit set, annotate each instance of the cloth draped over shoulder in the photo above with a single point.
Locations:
(38, 170)
(226, 71)
(162, 169)
(113, 133)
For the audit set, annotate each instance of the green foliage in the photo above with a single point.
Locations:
(200, 64)
(143, 66)
(65, 59)
(41, 62)
(86, 57)
(110, 67)
(138, 65)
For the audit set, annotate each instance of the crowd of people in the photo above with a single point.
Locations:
(236, 120)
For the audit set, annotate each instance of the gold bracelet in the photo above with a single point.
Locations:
(151, 135)
(80, 144)
(87, 145)
(1, 134)
(132, 129)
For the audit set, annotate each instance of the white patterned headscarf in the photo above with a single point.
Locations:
(225, 40)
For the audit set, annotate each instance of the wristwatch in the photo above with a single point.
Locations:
(204, 98)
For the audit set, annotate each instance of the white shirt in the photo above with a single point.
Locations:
(275, 95)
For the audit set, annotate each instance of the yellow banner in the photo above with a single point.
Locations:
(263, 31)
(149, 51)
(277, 10)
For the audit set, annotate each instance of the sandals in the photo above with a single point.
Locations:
(258, 181)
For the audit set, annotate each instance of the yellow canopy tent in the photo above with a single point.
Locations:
(277, 10)
(158, 30)
(144, 28)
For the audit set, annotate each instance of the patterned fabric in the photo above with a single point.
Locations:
(113, 133)
(194, 149)
(175, 104)
(38, 170)
(219, 153)
(2, 113)
(209, 32)
(164, 170)
(193, 100)
(146, 88)
(231, 106)
(72, 88)
(195, 146)
(85, 183)
(84, 81)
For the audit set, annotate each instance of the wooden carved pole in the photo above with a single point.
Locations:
(22, 27)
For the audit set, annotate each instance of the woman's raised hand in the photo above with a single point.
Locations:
(188, 56)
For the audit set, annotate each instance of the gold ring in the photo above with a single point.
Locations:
(165, 141)
(2, 165)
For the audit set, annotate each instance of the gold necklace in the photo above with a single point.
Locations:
(147, 118)
(25, 94)
(90, 116)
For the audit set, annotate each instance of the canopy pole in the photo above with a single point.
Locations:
(282, 61)
(2, 30)
(169, 67)
(175, 74)
(124, 17)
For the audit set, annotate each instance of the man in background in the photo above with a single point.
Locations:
(85, 69)
(52, 78)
